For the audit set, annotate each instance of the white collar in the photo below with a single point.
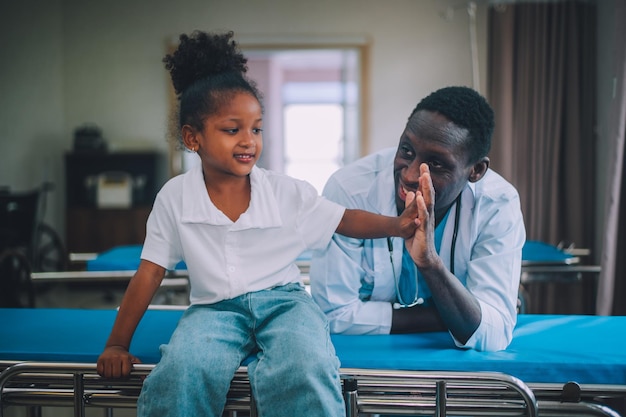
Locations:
(197, 206)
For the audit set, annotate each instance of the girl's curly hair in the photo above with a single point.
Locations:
(201, 55)
(206, 70)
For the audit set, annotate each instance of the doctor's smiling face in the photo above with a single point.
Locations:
(431, 138)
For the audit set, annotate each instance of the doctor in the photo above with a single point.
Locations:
(460, 272)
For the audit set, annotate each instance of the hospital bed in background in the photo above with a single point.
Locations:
(110, 271)
(118, 265)
(555, 366)
(541, 263)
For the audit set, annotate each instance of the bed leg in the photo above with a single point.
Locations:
(79, 390)
(350, 396)
(441, 398)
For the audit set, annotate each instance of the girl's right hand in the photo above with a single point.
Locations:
(408, 220)
(116, 362)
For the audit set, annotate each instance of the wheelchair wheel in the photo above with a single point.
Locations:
(16, 287)
(49, 253)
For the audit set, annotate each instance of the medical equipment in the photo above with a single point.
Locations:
(416, 299)
(26, 244)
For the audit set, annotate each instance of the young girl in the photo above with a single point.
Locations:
(239, 228)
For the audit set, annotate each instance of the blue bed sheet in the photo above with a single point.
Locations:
(121, 258)
(536, 252)
(545, 348)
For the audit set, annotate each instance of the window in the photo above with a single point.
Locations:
(313, 136)
(312, 101)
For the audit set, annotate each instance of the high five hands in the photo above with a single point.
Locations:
(421, 245)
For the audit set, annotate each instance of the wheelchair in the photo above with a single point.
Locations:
(27, 245)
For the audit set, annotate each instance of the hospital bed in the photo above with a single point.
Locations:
(541, 263)
(555, 366)
(106, 274)
(118, 265)
(432, 384)
(545, 264)
(115, 265)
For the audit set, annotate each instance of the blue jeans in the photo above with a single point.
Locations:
(295, 371)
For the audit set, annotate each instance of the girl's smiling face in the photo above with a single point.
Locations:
(231, 140)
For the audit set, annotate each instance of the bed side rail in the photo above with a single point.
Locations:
(414, 393)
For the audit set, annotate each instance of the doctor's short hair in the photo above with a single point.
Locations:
(466, 108)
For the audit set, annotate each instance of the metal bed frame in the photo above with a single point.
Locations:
(177, 279)
(366, 392)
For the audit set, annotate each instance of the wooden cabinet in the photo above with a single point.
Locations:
(96, 230)
(95, 223)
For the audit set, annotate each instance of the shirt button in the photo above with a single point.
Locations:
(231, 269)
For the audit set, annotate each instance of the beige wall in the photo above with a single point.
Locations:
(32, 116)
(113, 73)
(68, 62)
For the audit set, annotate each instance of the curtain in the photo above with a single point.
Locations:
(542, 86)
(611, 290)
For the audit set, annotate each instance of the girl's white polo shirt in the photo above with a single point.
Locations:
(226, 259)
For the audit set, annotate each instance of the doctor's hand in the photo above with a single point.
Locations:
(116, 362)
(421, 245)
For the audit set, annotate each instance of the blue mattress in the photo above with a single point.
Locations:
(546, 348)
(120, 258)
(535, 252)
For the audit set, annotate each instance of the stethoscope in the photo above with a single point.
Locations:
(416, 299)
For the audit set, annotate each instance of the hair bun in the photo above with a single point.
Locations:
(201, 55)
